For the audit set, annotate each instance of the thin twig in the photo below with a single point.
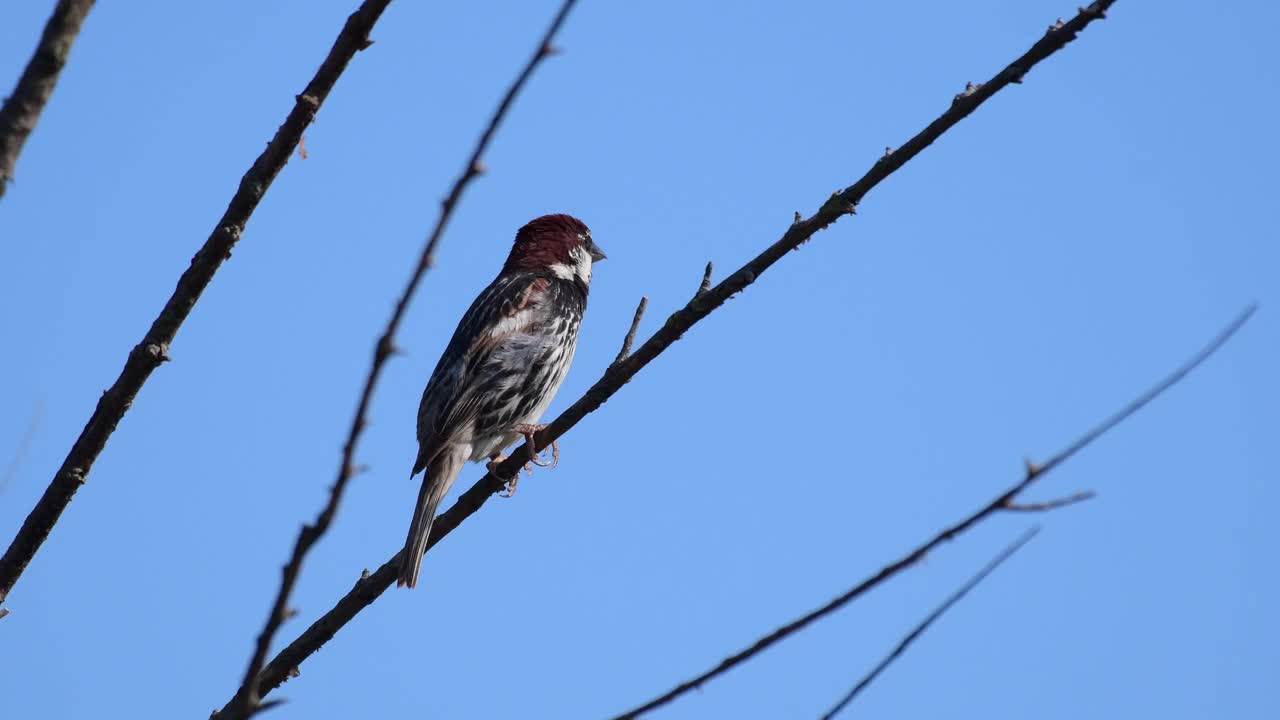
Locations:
(618, 374)
(631, 333)
(247, 698)
(1053, 504)
(154, 348)
(919, 629)
(1032, 474)
(20, 452)
(22, 108)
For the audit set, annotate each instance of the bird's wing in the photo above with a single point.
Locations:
(457, 386)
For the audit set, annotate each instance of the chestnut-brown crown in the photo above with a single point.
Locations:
(550, 240)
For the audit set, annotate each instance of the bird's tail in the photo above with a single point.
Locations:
(439, 477)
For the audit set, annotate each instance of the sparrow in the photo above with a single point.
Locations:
(503, 366)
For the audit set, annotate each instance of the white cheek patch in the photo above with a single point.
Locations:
(582, 264)
(579, 269)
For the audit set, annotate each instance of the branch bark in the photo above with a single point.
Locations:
(1000, 503)
(154, 347)
(247, 700)
(370, 586)
(22, 109)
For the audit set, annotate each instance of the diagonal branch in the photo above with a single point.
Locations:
(369, 587)
(154, 348)
(247, 699)
(22, 109)
(1032, 474)
(919, 629)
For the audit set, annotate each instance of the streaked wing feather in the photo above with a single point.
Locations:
(453, 396)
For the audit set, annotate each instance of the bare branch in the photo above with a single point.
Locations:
(22, 109)
(247, 699)
(937, 613)
(1053, 504)
(367, 589)
(631, 334)
(154, 348)
(1031, 475)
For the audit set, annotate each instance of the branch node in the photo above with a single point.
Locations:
(1031, 467)
(310, 101)
(477, 167)
(969, 89)
(837, 205)
(365, 43)
(548, 49)
(705, 285)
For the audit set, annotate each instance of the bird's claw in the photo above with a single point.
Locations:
(528, 431)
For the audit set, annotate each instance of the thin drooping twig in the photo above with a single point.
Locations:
(22, 108)
(154, 348)
(919, 629)
(368, 588)
(20, 452)
(1032, 474)
(247, 697)
(631, 333)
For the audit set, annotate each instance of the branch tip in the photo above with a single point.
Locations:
(631, 333)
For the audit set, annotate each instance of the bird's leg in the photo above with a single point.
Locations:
(528, 431)
(492, 466)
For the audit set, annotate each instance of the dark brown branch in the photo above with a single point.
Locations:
(631, 333)
(22, 109)
(154, 348)
(933, 616)
(1032, 473)
(367, 589)
(1053, 504)
(247, 698)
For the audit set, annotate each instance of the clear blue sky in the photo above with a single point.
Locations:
(1061, 249)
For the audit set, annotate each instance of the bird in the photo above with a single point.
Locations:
(504, 364)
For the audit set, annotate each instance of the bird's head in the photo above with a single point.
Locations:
(559, 243)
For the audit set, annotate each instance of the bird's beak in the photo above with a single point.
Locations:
(594, 250)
